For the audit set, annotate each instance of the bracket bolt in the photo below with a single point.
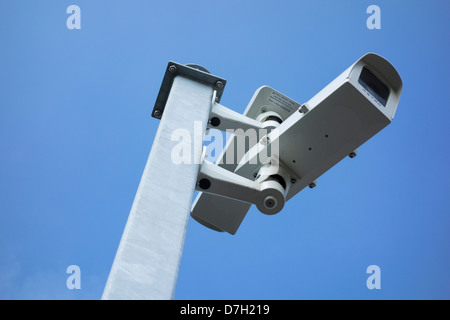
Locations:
(157, 114)
(173, 69)
(219, 84)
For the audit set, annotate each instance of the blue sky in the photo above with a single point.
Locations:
(76, 131)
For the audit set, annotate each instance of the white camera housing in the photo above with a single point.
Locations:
(312, 138)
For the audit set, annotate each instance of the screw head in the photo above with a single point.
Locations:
(265, 140)
(173, 69)
(157, 114)
(270, 202)
(219, 84)
(293, 180)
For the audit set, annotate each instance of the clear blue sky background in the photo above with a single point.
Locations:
(75, 133)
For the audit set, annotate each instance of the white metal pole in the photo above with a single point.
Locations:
(148, 258)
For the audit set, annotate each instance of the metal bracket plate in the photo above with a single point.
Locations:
(189, 71)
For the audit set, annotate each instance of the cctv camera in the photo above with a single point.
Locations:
(304, 141)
